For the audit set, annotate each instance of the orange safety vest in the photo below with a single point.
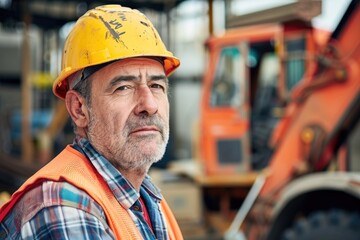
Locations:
(71, 166)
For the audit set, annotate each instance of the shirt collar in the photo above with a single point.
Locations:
(122, 189)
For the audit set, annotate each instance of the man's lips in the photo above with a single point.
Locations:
(146, 129)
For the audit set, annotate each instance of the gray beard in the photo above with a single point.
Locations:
(132, 155)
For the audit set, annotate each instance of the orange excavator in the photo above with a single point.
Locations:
(281, 102)
(251, 73)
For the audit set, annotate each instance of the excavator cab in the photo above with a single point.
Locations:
(251, 73)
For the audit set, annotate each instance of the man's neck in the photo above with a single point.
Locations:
(135, 177)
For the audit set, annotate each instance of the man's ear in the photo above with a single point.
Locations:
(75, 104)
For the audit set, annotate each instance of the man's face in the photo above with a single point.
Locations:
(129, 113)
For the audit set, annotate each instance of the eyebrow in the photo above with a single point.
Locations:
(159, 77)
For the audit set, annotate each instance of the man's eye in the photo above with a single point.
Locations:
(158, 86)
(123, 88)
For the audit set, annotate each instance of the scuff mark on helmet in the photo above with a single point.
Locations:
(144, 23)
(122, 16)
(116, 35)
(155, 37)
(86, 55)
(116, 24)
(93, 15)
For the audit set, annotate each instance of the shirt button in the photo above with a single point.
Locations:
(136, 208)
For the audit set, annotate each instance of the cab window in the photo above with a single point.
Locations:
(226, 86)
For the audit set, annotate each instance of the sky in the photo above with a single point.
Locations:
(332, 10)
(332, 13)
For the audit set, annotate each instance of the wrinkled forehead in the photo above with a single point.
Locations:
(133, 67)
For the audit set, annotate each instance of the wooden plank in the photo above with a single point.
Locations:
(301, 10)
(241, 179)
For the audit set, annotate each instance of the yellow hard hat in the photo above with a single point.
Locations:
(108, 33)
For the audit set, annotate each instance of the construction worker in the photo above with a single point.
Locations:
(114, 83)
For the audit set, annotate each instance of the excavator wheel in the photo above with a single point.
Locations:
(334, 224)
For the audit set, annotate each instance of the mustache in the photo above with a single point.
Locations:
(134, 122)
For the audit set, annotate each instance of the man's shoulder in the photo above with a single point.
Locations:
(51, 205)
(53, 194)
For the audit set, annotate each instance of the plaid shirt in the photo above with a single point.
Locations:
(58, 210)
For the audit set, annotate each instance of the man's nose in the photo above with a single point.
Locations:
(146, 102)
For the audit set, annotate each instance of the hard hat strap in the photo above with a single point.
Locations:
(85, 74)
